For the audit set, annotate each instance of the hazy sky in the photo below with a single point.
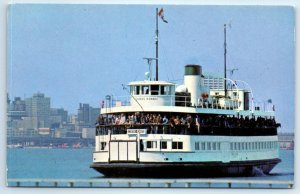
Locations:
(80, 53)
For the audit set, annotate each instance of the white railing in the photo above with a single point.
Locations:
(184, 101)
(170, 100)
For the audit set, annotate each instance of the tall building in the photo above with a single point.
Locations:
(18, 104)
(87, 115)
(15, 113)
(38, 106)
(214, 82)
(83, 113)
(16, 109)
(58, 116)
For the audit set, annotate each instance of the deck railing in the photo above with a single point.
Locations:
(187, 130)
(184, 101)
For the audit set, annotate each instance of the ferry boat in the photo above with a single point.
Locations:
(187, 130)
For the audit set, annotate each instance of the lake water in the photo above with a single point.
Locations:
(32, 163)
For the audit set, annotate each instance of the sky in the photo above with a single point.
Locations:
(80, 53)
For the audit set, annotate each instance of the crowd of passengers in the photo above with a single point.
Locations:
(184, 122)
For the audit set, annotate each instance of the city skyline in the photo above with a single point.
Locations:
(87, 51)
(11, 99)
(34, 117)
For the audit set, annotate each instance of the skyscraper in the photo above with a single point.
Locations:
(38, 106)
(87, 115)
(213, 81)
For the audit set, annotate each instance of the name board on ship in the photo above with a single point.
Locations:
(136, 131)
(147, 98)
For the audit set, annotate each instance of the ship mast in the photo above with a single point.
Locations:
(225, 52)
(156, 43)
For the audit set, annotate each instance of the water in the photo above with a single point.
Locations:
(32, 163)
(50, 163)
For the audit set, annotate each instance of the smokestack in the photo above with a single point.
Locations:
(192, 81)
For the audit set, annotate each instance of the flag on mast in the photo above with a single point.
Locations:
(161, 15)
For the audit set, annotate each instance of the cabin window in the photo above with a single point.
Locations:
(214, 145)
(203, 146)
(136, 90)
(242, 145)
(103, 144)
(145, 90)
(154, 89)
(151, 144)
(197, 146)
(208, 146)
(177, 145)
(218, 146)
(163, 145)
(164, 90)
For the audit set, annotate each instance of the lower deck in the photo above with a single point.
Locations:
(186, 169)
(143, 147)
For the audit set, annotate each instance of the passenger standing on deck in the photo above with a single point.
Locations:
(197, 120)
(189, 121)
(177, 124)
(117, 121)
(165, 121)
(123, 119)
(172, 124)
(131, 120)
(157, 122)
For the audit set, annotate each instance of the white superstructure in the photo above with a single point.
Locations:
(187, 124)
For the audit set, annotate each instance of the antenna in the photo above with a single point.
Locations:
(232, 71)
(156, 43)
(225, 52)
(149, 61)
(161, 15)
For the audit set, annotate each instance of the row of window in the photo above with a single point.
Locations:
(215, 146)
(176, 145)
(151, 90)
(253, 145)
(207, 146)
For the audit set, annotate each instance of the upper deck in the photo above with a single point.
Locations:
(123, 104)
(190, 97)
